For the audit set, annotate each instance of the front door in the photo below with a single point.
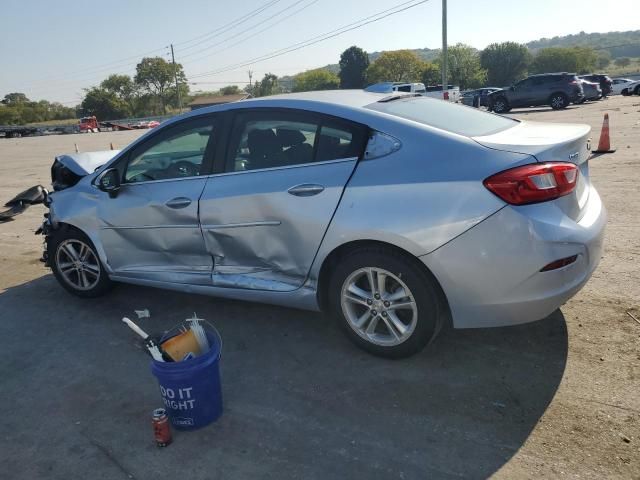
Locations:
(263, 218)
(151, 230)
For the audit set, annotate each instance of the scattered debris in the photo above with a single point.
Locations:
(633, 316)
(625, 439)
(32, 196)
(143, 313)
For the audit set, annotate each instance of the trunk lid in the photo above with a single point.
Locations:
(551, 142)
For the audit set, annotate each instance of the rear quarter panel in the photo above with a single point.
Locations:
(420, 197)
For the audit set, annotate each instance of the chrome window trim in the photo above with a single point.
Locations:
(285, 167)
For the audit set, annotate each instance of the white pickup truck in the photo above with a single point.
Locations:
(452, 93)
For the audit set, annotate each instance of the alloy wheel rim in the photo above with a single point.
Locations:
(78, 264)
(379, 306)
(557, 101)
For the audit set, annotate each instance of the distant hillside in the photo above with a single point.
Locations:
(618, 44)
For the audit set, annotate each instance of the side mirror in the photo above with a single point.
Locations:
(109, 181)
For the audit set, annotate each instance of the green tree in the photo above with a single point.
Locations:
(354, 62)
(396, 66)
(572, 59)
(104, 104)
(318, 79)
(431, 74)
(463, 67)
(505, 62)
(15, 98)
(230, 90)
(123, 87)
(622, 61)
(155, 76)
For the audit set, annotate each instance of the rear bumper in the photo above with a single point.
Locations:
(491, 273)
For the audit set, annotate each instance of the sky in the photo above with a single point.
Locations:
(54, 49)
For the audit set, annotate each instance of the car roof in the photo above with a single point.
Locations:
(343, 98)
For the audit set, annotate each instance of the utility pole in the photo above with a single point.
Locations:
(445, 83)
(250, 75)
(175, 75)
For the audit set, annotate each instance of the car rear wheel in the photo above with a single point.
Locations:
(76, 265)
(636, 91)
(500, 105)
(558, 101)
(386, 304)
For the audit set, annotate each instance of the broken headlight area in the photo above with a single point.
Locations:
(62, 177)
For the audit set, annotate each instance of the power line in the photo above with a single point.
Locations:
(314, 40)
(126, 61)
(261, 22)
(229, 26)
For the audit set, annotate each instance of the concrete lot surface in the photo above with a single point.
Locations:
(559, 398)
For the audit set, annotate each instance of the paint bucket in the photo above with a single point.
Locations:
(190, 389)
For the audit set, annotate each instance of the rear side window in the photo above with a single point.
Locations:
(280, 139)
(445, 115)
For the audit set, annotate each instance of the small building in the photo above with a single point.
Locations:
(211, 100)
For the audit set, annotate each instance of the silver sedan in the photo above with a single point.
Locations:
(396, 213)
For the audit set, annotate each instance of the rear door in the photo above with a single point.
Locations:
(263, 216)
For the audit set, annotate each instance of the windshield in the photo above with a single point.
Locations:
(448, 116)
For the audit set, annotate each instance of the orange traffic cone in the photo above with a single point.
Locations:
(604, 145)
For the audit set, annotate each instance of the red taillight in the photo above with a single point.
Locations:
(538, 182)
(573, 82)
(445, 95)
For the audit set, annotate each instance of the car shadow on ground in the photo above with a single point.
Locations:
(300, 400)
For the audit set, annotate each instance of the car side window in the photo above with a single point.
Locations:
(178, 153)
(280, 139)
(404, 88)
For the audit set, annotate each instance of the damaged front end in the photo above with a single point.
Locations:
(66, 171)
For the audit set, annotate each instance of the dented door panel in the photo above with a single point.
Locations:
(150, 230)
(262, 235)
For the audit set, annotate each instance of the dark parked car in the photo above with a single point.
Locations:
(470, 97)
(601, 78)
(555, 89)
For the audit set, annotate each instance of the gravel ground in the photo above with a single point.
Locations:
(558, 398)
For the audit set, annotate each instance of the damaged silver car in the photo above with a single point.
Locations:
(394, 212)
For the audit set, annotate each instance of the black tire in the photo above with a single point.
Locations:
(500, 105)
(625, 92)
(636, 91)
(558, 101)
(423, 292)
(57, 256)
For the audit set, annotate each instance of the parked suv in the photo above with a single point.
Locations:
(555, 89)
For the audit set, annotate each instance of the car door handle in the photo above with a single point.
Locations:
(306, 190)
(178, 202)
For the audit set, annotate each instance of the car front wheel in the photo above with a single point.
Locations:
(76, 265)
(386, 304)
(500, 105)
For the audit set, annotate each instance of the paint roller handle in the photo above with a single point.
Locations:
(135, 328)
